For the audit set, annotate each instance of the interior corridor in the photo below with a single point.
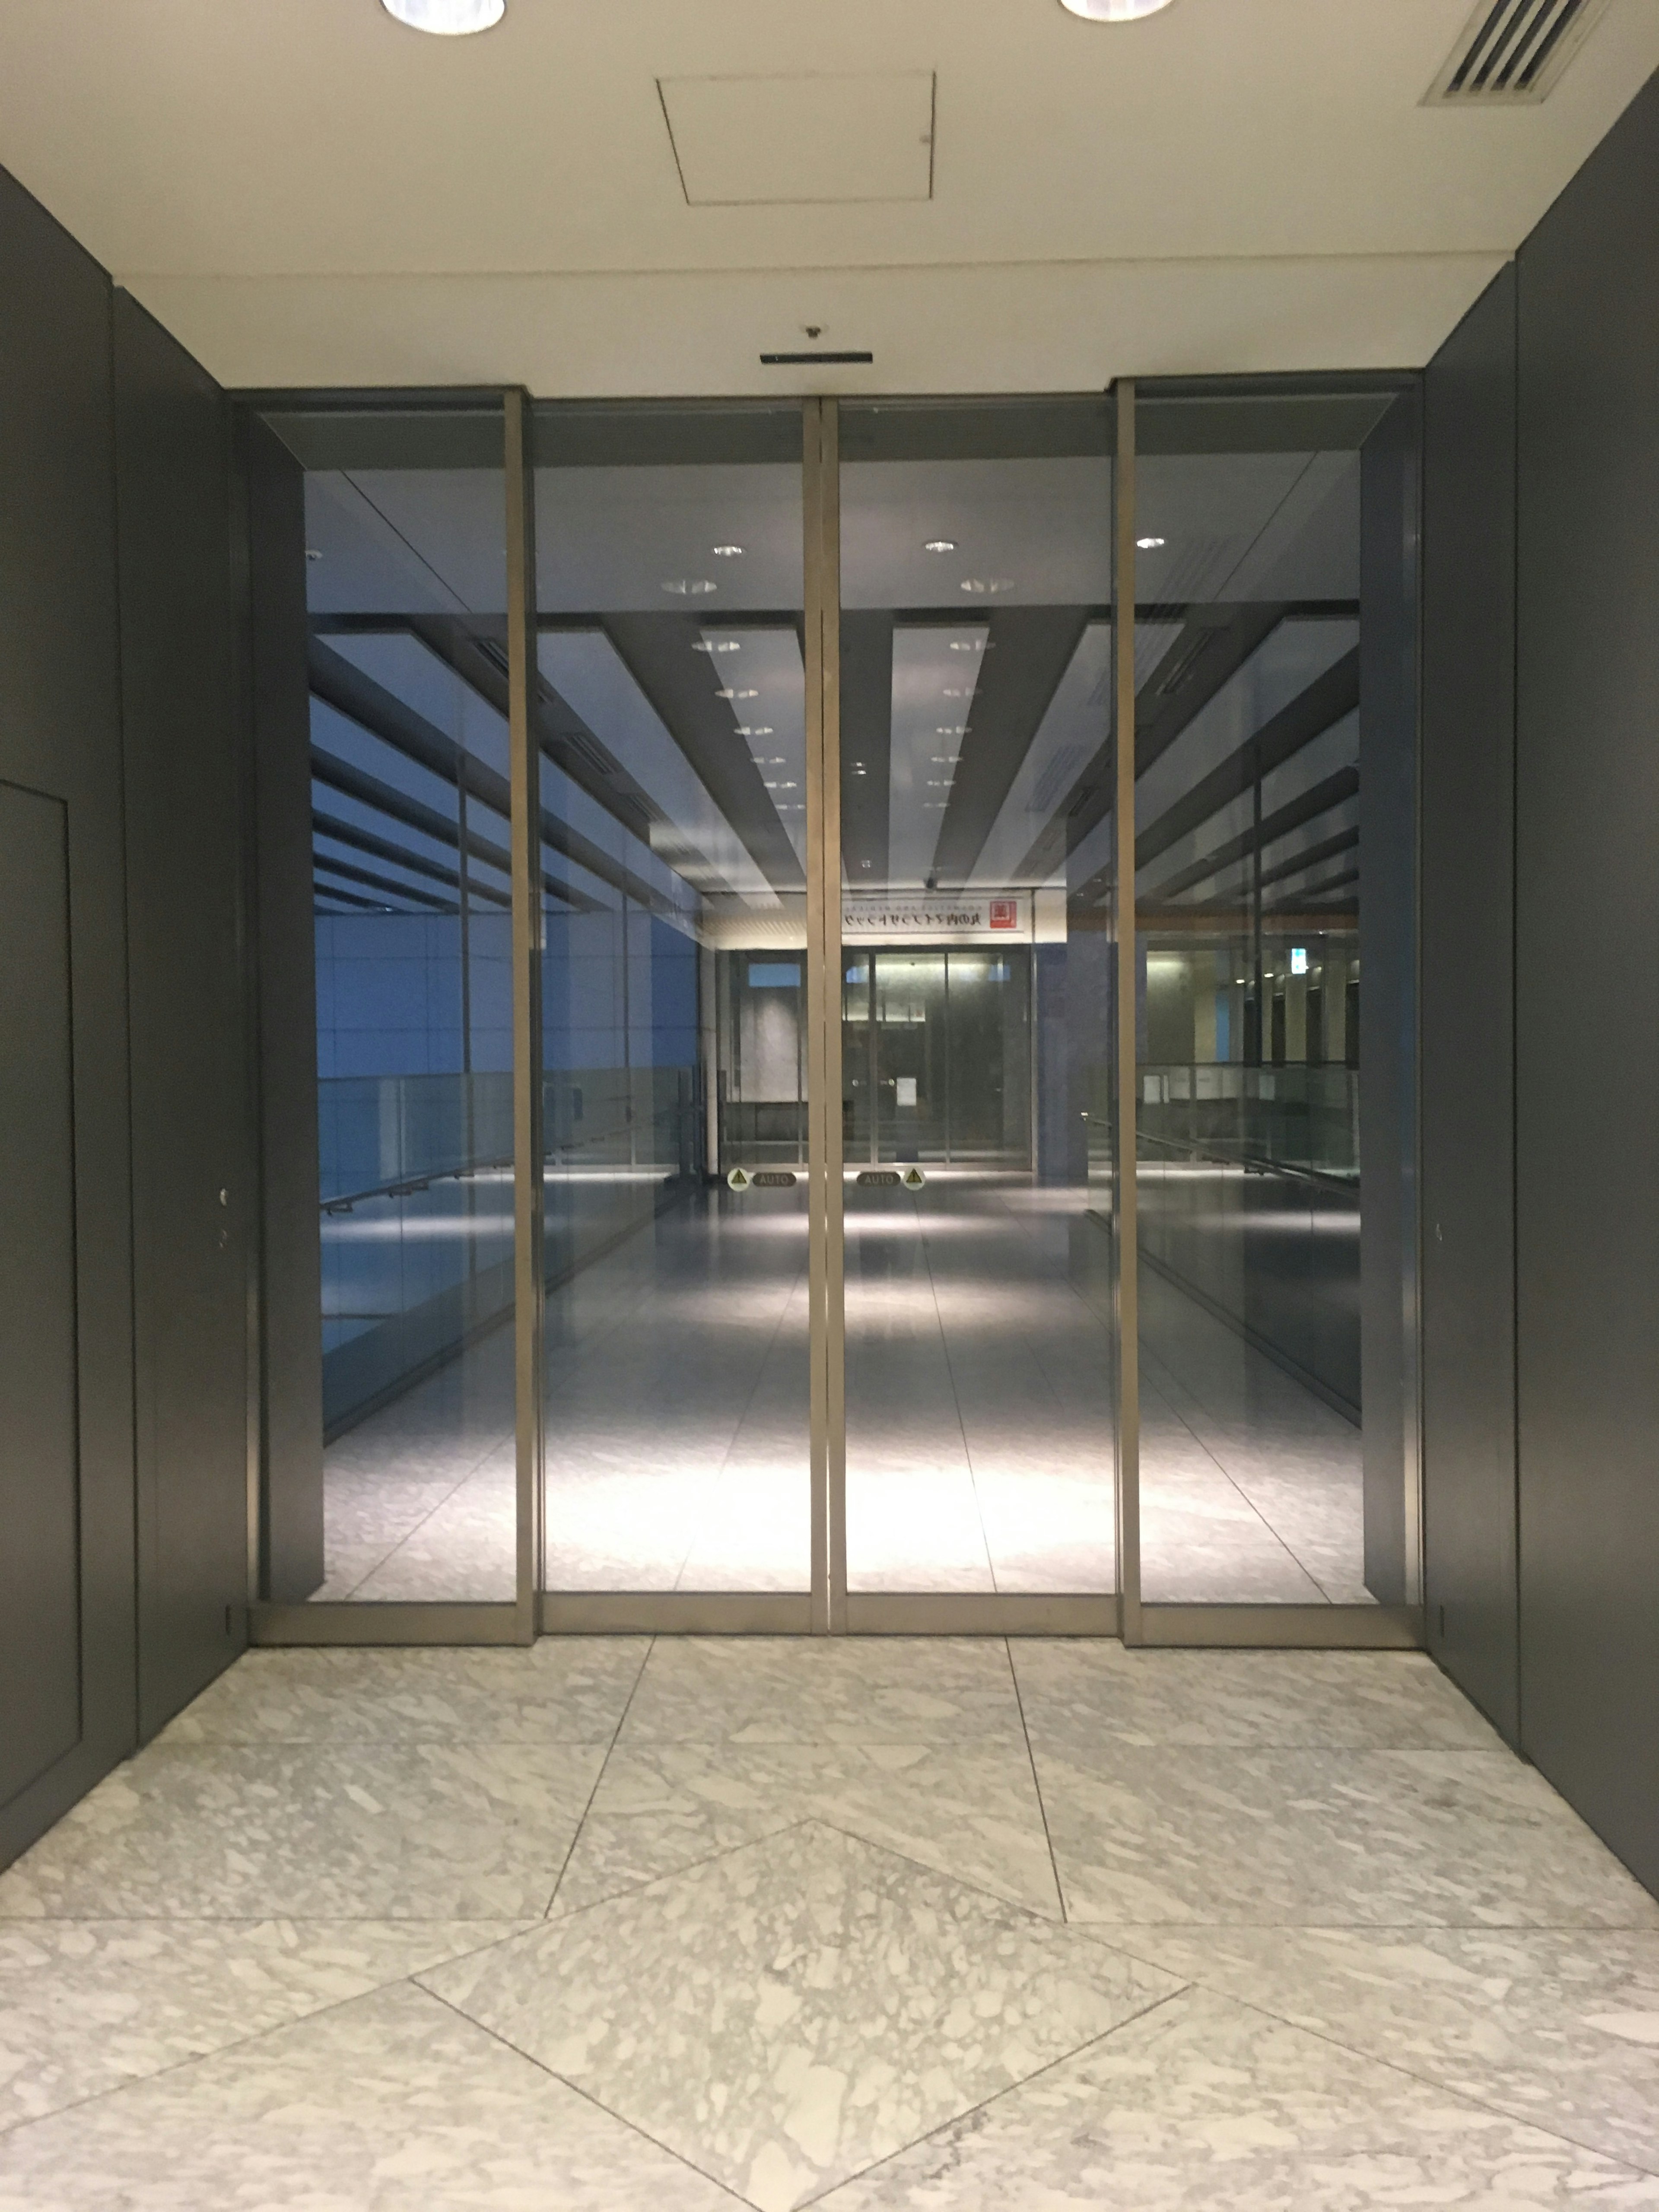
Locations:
(980, 1421)
(868, 1923)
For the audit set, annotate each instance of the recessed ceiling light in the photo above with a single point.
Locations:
(313, 553)
(737, 695)
(450, 19)
(1149, 544)
(977, 584)
(726, 552)
(1113, 11)
(715, 645)
(940, 545)
(690, 588)
(967, 645)
(754, 730)
(951, 730)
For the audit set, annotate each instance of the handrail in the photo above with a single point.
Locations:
(1251, 1161)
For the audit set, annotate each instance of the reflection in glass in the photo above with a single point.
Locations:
(1257, 756)
(670, 717)
(977, 1007)
(406, 590)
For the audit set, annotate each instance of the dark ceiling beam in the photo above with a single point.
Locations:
(1027, 651)
(369, 791)
(1213, 644)
(1315, 856)
(386, 848)
(477, 654)
(383, 715)
(326, 864)
(350, 898)
(866, 743)
(1301, 901)
(1312, 711)
(684, 685)
(1333, 791)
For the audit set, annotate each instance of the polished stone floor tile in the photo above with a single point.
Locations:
(878, 1689)
(1559, 2027)
(86, 2005)
(972, 1812)
(788, 2012)
(568, 1689)
(391, 2104)
(1203, 2104)
(1080, 1694)
(1305, 1839)
(421, 1831)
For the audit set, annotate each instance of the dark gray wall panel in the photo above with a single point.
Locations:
(272, 496)
(190, 1155)
(1387, 997)
(60, 739)
(1587, 983)
(1468, 1006)
(40, 1555)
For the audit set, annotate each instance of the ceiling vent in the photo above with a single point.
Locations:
(1512, 51)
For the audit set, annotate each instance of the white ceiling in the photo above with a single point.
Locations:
(307, 192)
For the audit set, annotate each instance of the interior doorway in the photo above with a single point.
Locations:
(867, 1193)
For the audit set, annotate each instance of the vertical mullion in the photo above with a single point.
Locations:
(1128, 999)
(822, 514)
(817, 1126)
(524, 780)
(835, 1132)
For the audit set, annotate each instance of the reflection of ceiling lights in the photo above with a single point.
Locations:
(690, 588)
(952, 730)
(967, 645)
(946, 760)
(450, 19)
(977, 584)
(1149, 544)
(726, 552)
(1113, 11)
(754, 730)
(737, 695)
(715, 645)
(940, 545)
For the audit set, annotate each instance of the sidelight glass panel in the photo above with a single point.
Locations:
(975, 735)
(405, 592)
(671, 719)
(1275, 739)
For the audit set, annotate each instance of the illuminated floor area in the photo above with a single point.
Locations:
(880, 1924)
(980, 1426)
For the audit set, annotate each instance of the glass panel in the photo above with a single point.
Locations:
(1266, 531)
(405, 574)
(976, 1012)
(671, 720)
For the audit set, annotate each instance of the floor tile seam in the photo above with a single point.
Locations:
(636, 1889)
(1031, 1757)
(1232, 1482)
(1009, 2089)
(754, 1388)
(237, 2045)
(939, 1874)
(1382, 1927)
(1276, 1744)
(621, 1717)
(1476, 2101)
(577, 2088)
(409, 1535)
(955, 1400)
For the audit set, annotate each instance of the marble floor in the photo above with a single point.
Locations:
(877, 1925)
(979, 1444)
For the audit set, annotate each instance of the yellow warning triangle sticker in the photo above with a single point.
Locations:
(914, 1178)
(737, 1179)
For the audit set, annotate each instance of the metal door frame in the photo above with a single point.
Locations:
(827, 1607)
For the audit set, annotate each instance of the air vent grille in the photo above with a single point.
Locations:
(1513, 51)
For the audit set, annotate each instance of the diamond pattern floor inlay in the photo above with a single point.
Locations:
(894, 1925)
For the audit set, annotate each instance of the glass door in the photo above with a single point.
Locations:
(975, 658)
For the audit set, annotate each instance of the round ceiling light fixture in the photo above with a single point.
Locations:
(449, 19)
(940, 545)
(1149, 544)
(1113, 11)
